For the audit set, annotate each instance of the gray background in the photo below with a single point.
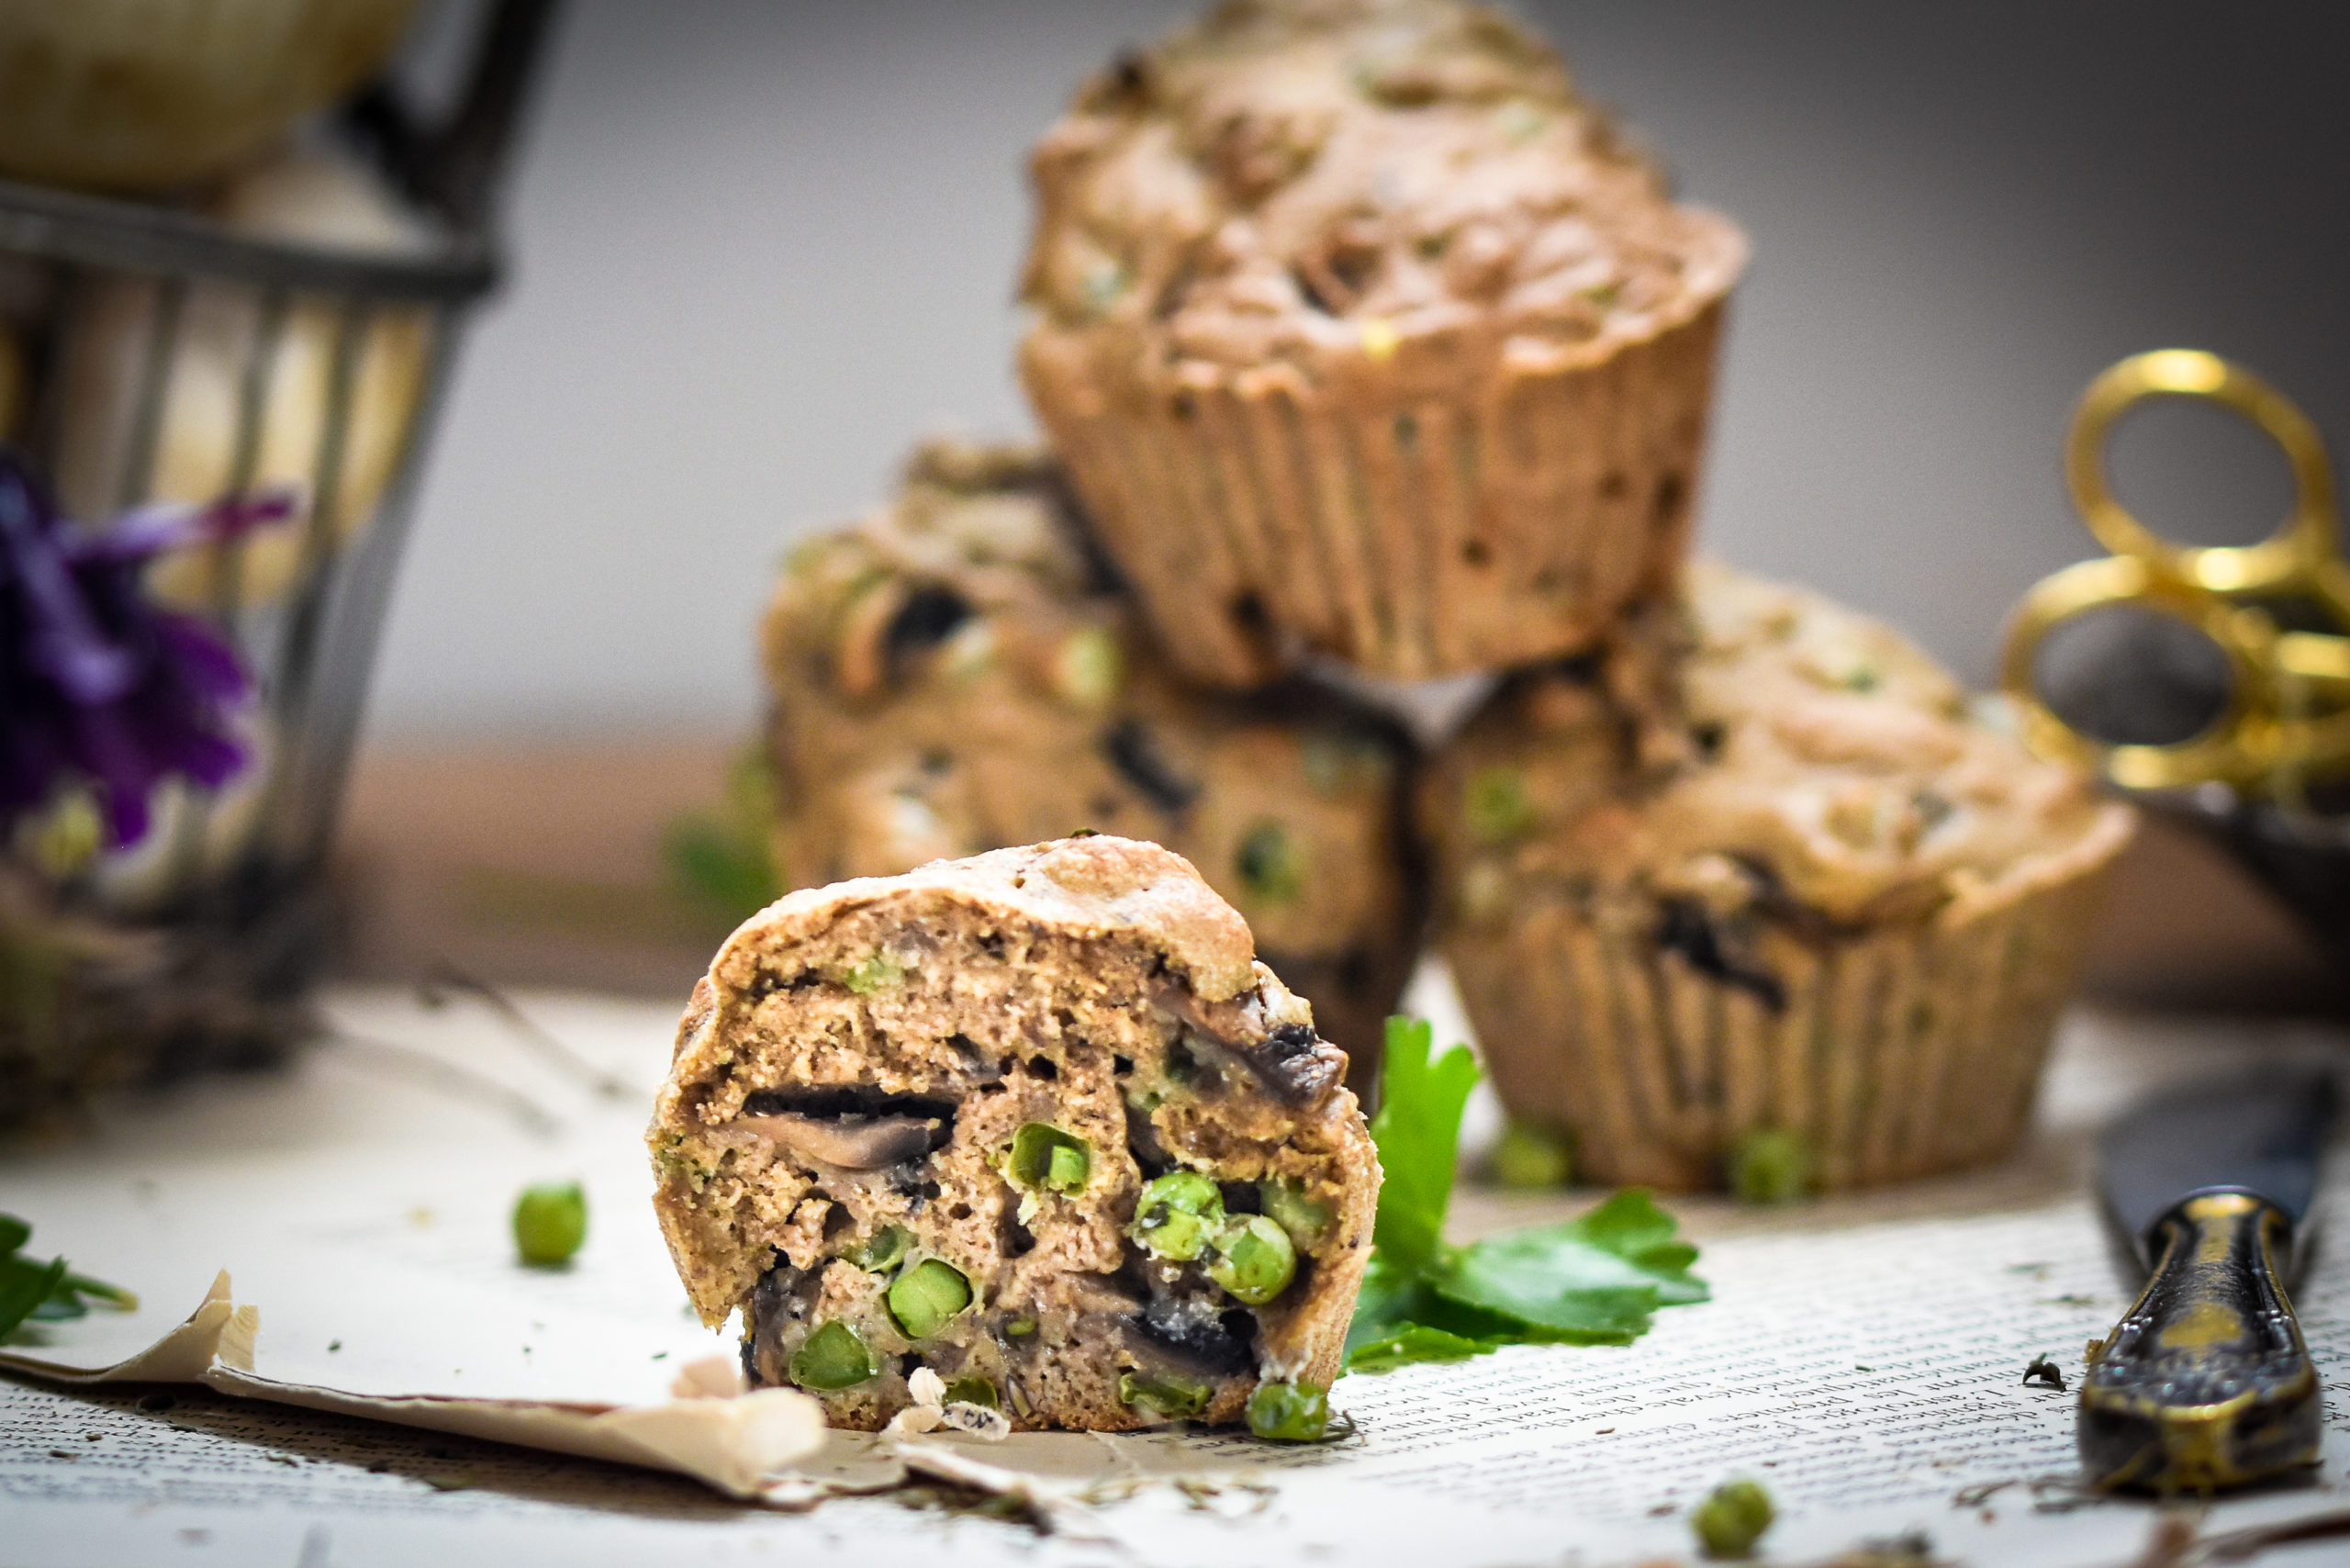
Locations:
(760, 247)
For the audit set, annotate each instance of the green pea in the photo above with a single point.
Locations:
(1021, 1328)
(1088, 667)
(1164, 1393)
(875, 973)
(1177, 1235)
(1732, 1518)
(1177, 1214)
(1770, 1166)
(1520, 121)
(1307, 1220)
(1044, 1155)
(69, 836)
(1186, 1191)
(1289, 1412)
(1253, 1259)
(803, 559)
(1272, 864)
(550, 1222)
(926, 1297)
(1496, 804)
(1104, 282)
(832, 1357)
(883, 1252)
(1529, 1157)
(974, 1391)
(1323, 757)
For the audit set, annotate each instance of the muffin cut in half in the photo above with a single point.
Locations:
(954, 672)
(1036, 1121)
(1361, 333)
(1754, 868)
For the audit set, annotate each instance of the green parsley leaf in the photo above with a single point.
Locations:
(46, 1293)
(24, 1286)
(1412, 1343)
(1389, 1299)
(721, 863)
(1597, 1280)
(1594, 1282)
(1419, 1133)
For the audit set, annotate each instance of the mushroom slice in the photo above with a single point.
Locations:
(1290, 1059)
(846, 1143)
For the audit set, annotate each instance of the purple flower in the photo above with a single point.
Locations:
(97, 686)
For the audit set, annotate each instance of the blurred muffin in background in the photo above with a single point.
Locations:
(1753, 872)
(146, 96)
(212, 335)
(1361, 333)
(957, 673)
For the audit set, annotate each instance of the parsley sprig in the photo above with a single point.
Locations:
(1593, 1281)
(46, 1293)
(722, 862)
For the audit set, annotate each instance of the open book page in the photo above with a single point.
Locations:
(1862, 1359)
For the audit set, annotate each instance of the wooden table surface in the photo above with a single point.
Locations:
(540, 865)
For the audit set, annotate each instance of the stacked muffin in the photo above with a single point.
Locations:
(957, 673)
(1363, 333)
(1364, 341)
(1751, 867)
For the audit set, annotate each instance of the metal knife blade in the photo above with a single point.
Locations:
(2263, 1132)
(2206, 1383)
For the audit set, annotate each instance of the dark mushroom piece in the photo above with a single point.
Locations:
(1290, 1059)
(848, 1143)
(1191, 1335)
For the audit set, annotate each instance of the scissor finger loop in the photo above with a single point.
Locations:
(2290, 560)
(2239, 744)
(2287, 717)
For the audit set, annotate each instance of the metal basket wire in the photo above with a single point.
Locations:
(166, 356)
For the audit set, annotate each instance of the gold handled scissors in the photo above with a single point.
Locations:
(2288, 715)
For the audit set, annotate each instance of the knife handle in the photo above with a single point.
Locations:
(2205, 1383)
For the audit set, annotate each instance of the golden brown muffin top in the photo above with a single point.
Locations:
(992, 521)
(975, 562)
(1093, 888)
(1347, 173)
(1755, 744)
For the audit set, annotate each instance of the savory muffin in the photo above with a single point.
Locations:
(1361, 331)
(1036, 1124)
(300, 368)
(129, 96)
(1753, 869)
(956, 674)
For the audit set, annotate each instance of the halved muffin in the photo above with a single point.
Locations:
(955, 673)
(1035, 1122)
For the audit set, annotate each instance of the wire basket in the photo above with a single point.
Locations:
(154, 354)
